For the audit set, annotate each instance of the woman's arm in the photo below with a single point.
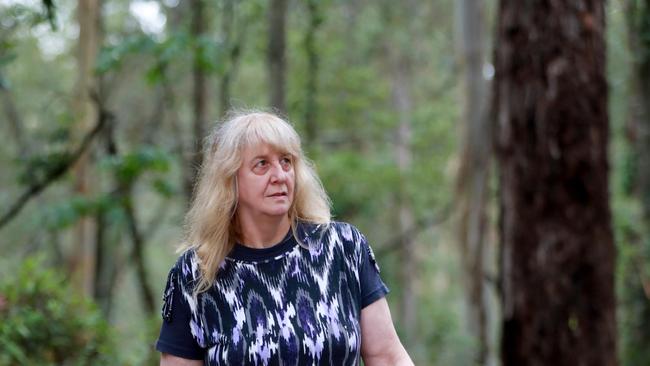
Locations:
(380, 344)
(168, 360)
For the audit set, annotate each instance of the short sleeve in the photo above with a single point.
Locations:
(175, 335)
(372, 287)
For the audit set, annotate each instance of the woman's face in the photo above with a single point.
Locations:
(265, 182)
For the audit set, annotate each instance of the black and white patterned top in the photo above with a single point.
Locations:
(282, 305)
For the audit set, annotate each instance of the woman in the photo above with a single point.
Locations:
(265, 277)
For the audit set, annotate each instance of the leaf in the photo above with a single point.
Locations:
(110, 58)
(164, 188)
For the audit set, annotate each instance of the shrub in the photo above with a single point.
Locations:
(42, 321)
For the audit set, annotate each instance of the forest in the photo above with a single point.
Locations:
(496, 154)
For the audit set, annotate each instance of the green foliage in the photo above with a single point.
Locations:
(66, 213)
(19, 14)
(111, 57)
(128, 167)
(53, 155)
(356, 194)
(37, 168)
(208, 54)
(43, 323)
(5, 59)
(165, 52)
(632, 271)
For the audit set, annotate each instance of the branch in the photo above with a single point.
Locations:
(146, 292)
(54, 173)
(124, 195)
(421, 225)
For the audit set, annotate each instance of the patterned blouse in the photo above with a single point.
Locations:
(282, 305)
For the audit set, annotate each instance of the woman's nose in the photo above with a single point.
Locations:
(277, 173)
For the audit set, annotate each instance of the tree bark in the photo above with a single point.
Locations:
(400, 70)
(234, 31)
(14, 119)
(200, 91)
(145, 291)
(82, 260)
(277, 63)
(558, 254)
(474, 171)
(311, 112)
(403, 103)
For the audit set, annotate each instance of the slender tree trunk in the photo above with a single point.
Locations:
(401, 83)
(102, 265)
(83, 257)
(277, 63)
(227, 32)
(234, 30)
(551, 140)
(15, 122)
(105, 262)
(400, 69)
(145, 290)
(311, 52)
(635, 298)
(199, 93)
(472, 181)
(402, 100)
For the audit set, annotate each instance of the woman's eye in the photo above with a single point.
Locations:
(260, 164)
(286, 161)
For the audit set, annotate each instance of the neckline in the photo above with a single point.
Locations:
(241, 252)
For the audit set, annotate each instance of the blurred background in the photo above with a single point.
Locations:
(104, 106)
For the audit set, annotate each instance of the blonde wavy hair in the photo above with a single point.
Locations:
(210, 223)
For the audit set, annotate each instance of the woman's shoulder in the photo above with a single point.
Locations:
(348, 232)
(186, 268)
(334, 231)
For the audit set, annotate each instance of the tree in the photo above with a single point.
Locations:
(83, 258)
(276, 57)
(200, 79)
(400, 64)
(474, 172)
(557, 259)
(311, 52)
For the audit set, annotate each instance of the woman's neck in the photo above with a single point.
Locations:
(263, 232)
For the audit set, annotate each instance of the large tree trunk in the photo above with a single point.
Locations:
(276, 54)
(82, 260)
(472, 180)
(552, 135)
